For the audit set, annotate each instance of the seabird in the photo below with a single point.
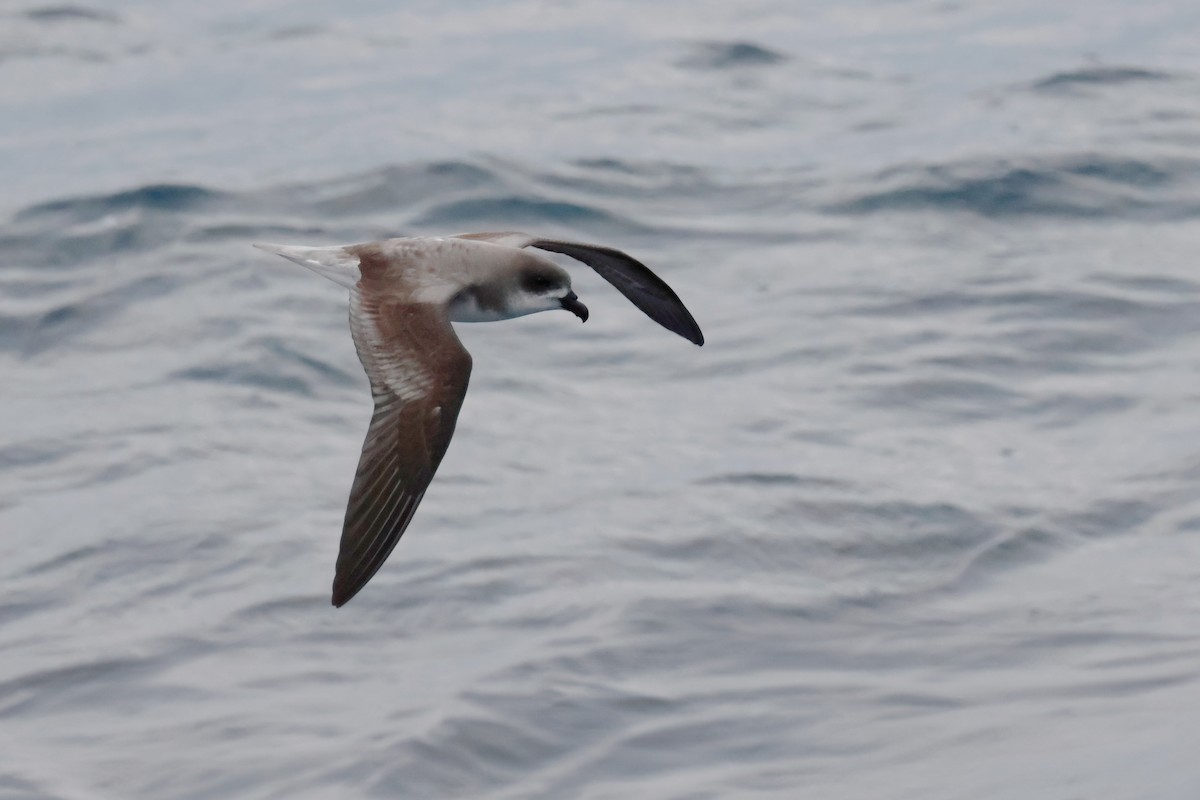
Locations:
(404, 293)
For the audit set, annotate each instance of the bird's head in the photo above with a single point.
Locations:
(528, 287)
(544, 287)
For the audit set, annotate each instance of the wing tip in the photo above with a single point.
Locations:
(687, 327)
(691, 332)
(342, 593)
(683, 324)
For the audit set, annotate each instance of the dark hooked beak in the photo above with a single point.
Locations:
(571, 303)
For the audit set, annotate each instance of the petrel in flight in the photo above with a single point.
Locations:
(404, 293)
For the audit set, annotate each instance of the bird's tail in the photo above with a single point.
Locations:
(333, 263)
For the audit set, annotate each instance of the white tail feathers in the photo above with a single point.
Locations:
(333, 263)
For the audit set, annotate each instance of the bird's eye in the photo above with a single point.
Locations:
(538, 283)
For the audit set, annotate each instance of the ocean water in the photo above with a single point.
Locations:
(920, 520)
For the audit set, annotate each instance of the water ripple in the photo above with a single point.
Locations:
(730, 55)
(1080, 187)
(1099, 76)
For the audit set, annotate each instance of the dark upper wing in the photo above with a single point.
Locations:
(419, 373)
(632, 278)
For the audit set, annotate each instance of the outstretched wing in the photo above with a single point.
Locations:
(631, 277)
(419, 373)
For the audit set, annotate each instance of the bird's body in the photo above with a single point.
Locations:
(404, 293)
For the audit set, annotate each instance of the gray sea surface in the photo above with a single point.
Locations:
(920, 520)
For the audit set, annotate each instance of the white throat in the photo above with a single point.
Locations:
(465, 308)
